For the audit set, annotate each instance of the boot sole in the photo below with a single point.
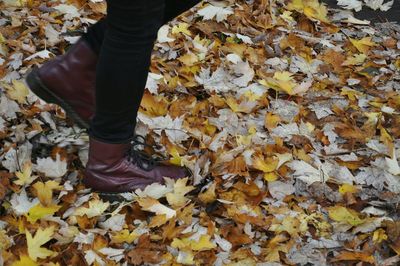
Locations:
(111, 197)
(39, 89)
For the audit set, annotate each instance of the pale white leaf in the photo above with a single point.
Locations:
(91, 257)
(306, 172)
(52, 168)
(114, 223)
(44, 54)
(163, 34)
(21, 204)
(210, 12)
(69, 11)
(350, 4)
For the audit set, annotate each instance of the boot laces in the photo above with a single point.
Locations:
(142, 159)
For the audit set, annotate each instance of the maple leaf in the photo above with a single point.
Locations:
(52, 168)
(345, 215)
(210, 11)
(41, 237)
(181, 28)
(153, 205)
(177, 197)
(307, 172)
(189, 59)
(393, 164)
(268, 165)
(96, 208)
(209, 195)
(282, 81)
(379, 4)
(203, 243)
(176, 157)
(354, 256)
(45, 191)
(18, 91)
(153, 105)
(24, 261)
(163, 34)
(356, 59)
(350, 4)
(292, 225)
(124, 236)
(363, 45)
(347, 188)
(25, 177)
(39, 211)
(17, 3)
(311, 8)
(21, 204)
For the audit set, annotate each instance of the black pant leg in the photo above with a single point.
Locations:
(123, 66)
(173, 8)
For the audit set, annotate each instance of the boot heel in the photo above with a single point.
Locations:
(40, 90)
(36, 86)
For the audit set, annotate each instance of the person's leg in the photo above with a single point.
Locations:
(123, 66)
(95, 34)
(115, 164)
(174, 8)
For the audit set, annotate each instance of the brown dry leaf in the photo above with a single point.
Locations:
(145, 252)
(356, 256)
(209, 195)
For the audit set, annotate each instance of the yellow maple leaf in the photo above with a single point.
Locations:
(311, 8)
(39, 211)
(41, 237)
(176, 157)
(24, 261)
(282, 81)
(45, 191)
(292, 225)
(96, 208)
(266, 165)
(379, 236)
(177, 197)
(181, 28)
(271, 120)
(239, 107)
(397, 64)
(204, 243)
(356, 59)
(347, 188)
(153, 105)
(363, 45)
(386, 139)
(18, 91)
(287, 15)
(271, 177)
(153, 205)
(351, 94)
(209, 195)
(158, 220)
(25, 177)
(124, 236)
(344, 215)
(188, 59)
(317, 11)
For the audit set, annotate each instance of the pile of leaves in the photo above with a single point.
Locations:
(286, 112)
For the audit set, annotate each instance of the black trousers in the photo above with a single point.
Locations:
(124, 41)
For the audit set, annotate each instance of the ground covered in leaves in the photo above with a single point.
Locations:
(287, 114)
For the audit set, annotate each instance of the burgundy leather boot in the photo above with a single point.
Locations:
(116, 168)
(69, 81)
